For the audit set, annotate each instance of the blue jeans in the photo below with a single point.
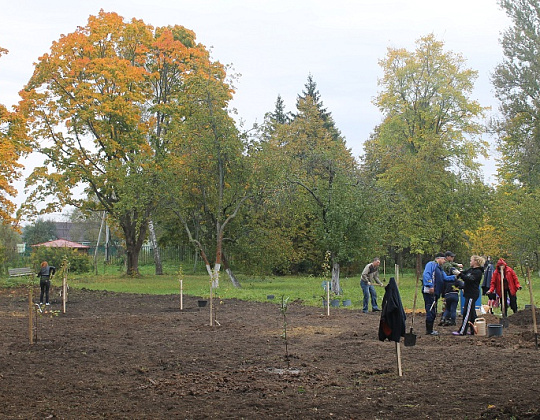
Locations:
(369, 291)
(451, 302)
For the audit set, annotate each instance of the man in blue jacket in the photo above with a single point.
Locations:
(432, 282)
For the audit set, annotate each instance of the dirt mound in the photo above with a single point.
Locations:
(524, 317)
(125, 356)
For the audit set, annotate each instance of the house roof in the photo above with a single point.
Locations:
(62, 243)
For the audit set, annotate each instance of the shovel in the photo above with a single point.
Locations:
(503, 298)
(410, 337)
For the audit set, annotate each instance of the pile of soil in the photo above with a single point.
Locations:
(125, 356)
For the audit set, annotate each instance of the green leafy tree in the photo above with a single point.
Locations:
(515, 204)
(423, 152)
(516, 86)
(8, 244)
(39, 232)
(101, 103)
(208, 172)
(320, 176)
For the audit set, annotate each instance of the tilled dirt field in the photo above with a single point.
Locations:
(125, 356)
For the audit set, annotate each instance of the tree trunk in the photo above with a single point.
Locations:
(103, 218)
(229, 272)
(157, 256)
(335, 278)
(132, 260)
(134, 234)
(107, 240)
(217, 265)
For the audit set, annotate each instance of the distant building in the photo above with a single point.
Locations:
(85, 233)
(64, 243)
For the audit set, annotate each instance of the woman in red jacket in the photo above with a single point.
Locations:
(511, 285)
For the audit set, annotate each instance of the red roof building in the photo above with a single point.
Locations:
(63, 243)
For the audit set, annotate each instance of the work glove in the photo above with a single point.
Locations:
(456, 272)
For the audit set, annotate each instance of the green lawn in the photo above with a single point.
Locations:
(308, 290)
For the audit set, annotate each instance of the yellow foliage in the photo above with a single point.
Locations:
(485, 240)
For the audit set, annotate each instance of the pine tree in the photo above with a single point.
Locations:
(312, 91)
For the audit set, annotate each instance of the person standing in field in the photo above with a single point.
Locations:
(511, 285)
(471, 291)
(45, 273)
(370, 275)
(432, 282)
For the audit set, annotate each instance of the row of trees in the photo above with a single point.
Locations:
(139, 117)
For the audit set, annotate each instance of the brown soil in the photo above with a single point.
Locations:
(123, 356)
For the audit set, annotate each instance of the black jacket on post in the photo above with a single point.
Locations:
(392, 324)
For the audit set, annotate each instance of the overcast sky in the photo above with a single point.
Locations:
(275, 44)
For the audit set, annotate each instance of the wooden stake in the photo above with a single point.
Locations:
(398, 352)
(328, 298)
(181, 294)
(533, 308)
(64, 291)
(30, 316)
(211, 300)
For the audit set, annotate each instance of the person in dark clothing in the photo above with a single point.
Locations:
(488, 273)
(44, 275)
(451, 299)
(471, 291)
(392, 324)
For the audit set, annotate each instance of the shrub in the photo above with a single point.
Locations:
(78, 262)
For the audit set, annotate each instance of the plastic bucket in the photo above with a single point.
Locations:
(495, 330)
(335, 303)
(480, 324)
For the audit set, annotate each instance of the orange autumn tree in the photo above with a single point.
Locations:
(100, 104)
(13, 145)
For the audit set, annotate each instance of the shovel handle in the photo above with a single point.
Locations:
(503, 303)
(415, 289)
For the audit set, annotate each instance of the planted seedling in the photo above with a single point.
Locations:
(40, 311)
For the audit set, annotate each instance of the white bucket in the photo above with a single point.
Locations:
(480, 324)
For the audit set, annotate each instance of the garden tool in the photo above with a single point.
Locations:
(410, 337)
(502, 298)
